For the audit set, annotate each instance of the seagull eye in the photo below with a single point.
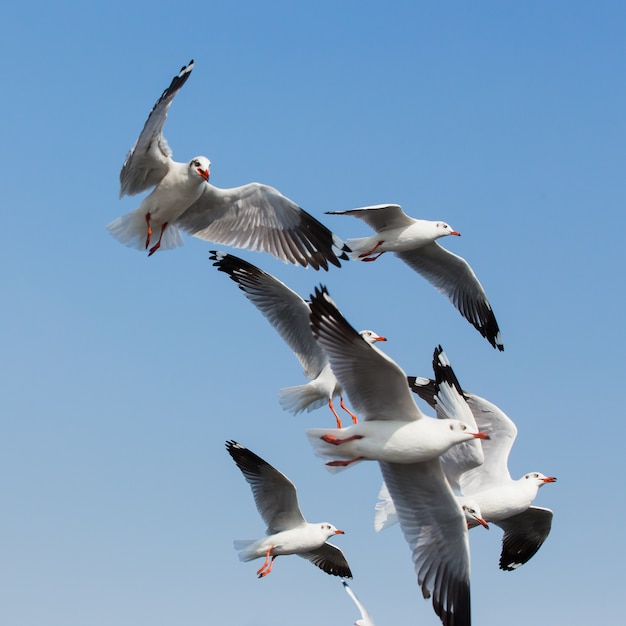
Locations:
(196, 163)
(451, 426)
(463, 427)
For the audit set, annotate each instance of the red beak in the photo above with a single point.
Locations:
(482, 522)
(549, 479)
(454, 232)
(380, 339)
(339, 532)
(481, 436)
(204, 173)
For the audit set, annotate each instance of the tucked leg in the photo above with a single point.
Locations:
(370, 252)
(337, 442)
(344, 463)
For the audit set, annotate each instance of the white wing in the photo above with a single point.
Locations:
(148, 160)
(365, 620)
(380, 216)
(445, 395)
(375, 384)
(284, 309)
(452, 276)
(260, 218)
(435, 529)
(274, 494)
(502, 432)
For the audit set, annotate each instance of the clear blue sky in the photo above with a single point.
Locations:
(123, 375)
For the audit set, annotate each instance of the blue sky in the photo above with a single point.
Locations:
(124, 375)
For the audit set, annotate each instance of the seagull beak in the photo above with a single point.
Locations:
(455, 232)
(481, 436)
(481, 521)
(549, 479)
(339, 532)
(380, 339)
(204, 173)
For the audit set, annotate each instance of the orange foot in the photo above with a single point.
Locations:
(344, 463)
(336, 441)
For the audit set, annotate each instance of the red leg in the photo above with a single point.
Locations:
(372, 258)
(269, 569)
(332, 408)
(157, 245)
(344, 463)
(336, 441)
(267, 558)
(355, 419)
(364, 254)
(149, 230)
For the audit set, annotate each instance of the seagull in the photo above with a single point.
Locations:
(365, 620)
(431, 520)
(289, 314)
(287, 530)
(502, 500)
(253, 216)
(392, 428)
(448, 401)
(414, 241)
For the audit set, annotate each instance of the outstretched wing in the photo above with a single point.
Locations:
(330, 559)
(147, 161)
(259, 217)
(452, 276)
(274, 494)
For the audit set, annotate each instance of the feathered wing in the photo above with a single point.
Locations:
(375, 384)
(283, 308)
(330, 559)
(435, 529)
(502, 432)
(366, 619)
(260, 218)
(379, 216)
(524, 534)
(147, 162)
(452, 276)
(274, 494)
(445, 395)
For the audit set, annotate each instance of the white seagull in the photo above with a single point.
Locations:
(287, 530)
(365, 620)
(289, 314)
(392, 428)
(414, 241)
(253, 216)
(447, 400)
(502, 500)
(431, 520)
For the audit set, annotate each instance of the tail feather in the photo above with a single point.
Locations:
(300, 398)
(131, 230)
(246, 549)
(359, 246)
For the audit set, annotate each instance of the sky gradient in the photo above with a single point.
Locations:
(124, 375)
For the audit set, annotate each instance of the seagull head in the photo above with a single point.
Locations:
(201, 166)
(473, 515)
(442, 229)
(371, 337)
(539, 479)
(329, 530)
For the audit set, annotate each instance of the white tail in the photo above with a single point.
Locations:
(131, 230)
(300, 398)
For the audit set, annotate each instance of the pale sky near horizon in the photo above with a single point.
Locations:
(123, 375)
